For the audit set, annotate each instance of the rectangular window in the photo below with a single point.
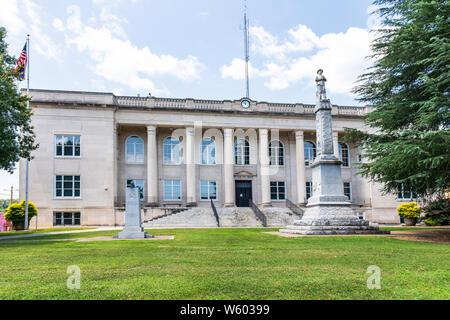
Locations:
(138, 183)
(66, 218)
(361, 215)
(68, 146)
(208, 190)
(308, 189)
(405, 193)
(67, 187)
(348, 190)
(172, 190)
(277, 190)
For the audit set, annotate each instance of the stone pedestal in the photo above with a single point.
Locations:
(328, 211)
(133, 225)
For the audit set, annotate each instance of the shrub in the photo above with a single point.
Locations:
(409, 210)
(433, 221)
(437, 211)
(16, 211)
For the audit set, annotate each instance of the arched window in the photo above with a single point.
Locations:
(241, 152)
(171, 151)
(276, 153)
(344, 154)
(135, 150)
(208, 152)
(310, 152)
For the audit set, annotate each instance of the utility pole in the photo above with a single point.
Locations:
(247, 55)
(12, 191)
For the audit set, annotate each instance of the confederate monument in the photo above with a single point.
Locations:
(133, 225)
(328, 211)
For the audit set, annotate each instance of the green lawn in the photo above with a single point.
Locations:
(224, 264)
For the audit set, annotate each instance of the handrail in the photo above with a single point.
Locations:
(213, 207)
(258, 213)
(294, 208)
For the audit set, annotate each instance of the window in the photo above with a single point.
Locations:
(359, 158)
(310, 152)
(405, 193)
(276, 153)
(277, 190)
(241, 152)
(361, 215)
(208, 190)
(135, 150)
(67, 187)
(171, 151)
(139, 184)
(172, 190)
(308, 189)
(348, 190)
(66, 218)
(344, 154)
(208, 152)
(68, 146)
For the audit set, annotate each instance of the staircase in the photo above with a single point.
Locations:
(230, 217)
(192, 218)
(238, 217)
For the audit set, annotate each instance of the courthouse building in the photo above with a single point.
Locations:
(183, 153)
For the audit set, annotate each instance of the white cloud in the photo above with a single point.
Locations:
(302, 53)
(58, 24)
(24, 17)
(236, 70)
(116, 59)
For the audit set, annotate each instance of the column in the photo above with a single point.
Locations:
(228, 167)
(264, 168)
(336, 144)
(152, 167)
(300, 159)
(190, 168)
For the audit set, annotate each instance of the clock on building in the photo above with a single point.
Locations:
(245, 104)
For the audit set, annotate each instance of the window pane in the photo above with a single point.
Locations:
(59, 150)
(67, 192)
(68, 150)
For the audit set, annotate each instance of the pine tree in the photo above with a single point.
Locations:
(408, 86)
(16, 132)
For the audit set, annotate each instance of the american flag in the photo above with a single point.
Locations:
(22, 63)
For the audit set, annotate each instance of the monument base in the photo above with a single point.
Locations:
(331, 218)
(133, 233)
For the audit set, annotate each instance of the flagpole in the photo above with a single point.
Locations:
(28, 106)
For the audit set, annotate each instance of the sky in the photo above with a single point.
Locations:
(191, 49)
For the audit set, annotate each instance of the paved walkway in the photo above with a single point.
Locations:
(57, 232)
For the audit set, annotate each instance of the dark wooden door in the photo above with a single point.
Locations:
(243, 193)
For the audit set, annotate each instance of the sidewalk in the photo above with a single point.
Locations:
(57, 232)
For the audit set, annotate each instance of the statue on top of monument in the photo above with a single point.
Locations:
(320, 82)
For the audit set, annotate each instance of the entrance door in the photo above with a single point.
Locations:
(243, 193)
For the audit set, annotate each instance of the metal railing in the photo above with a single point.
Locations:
(258, 213)
(213, 207)
(294, 208)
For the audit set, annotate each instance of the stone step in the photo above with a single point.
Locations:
(238, 217)
(192, 218)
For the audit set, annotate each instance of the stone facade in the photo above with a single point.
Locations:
(103, 122)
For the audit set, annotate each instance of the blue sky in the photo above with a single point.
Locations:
(194, 49)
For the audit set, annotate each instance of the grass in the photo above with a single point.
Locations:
(224, 264)
(32, 231)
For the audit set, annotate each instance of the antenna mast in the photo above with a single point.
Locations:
(246, 44)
